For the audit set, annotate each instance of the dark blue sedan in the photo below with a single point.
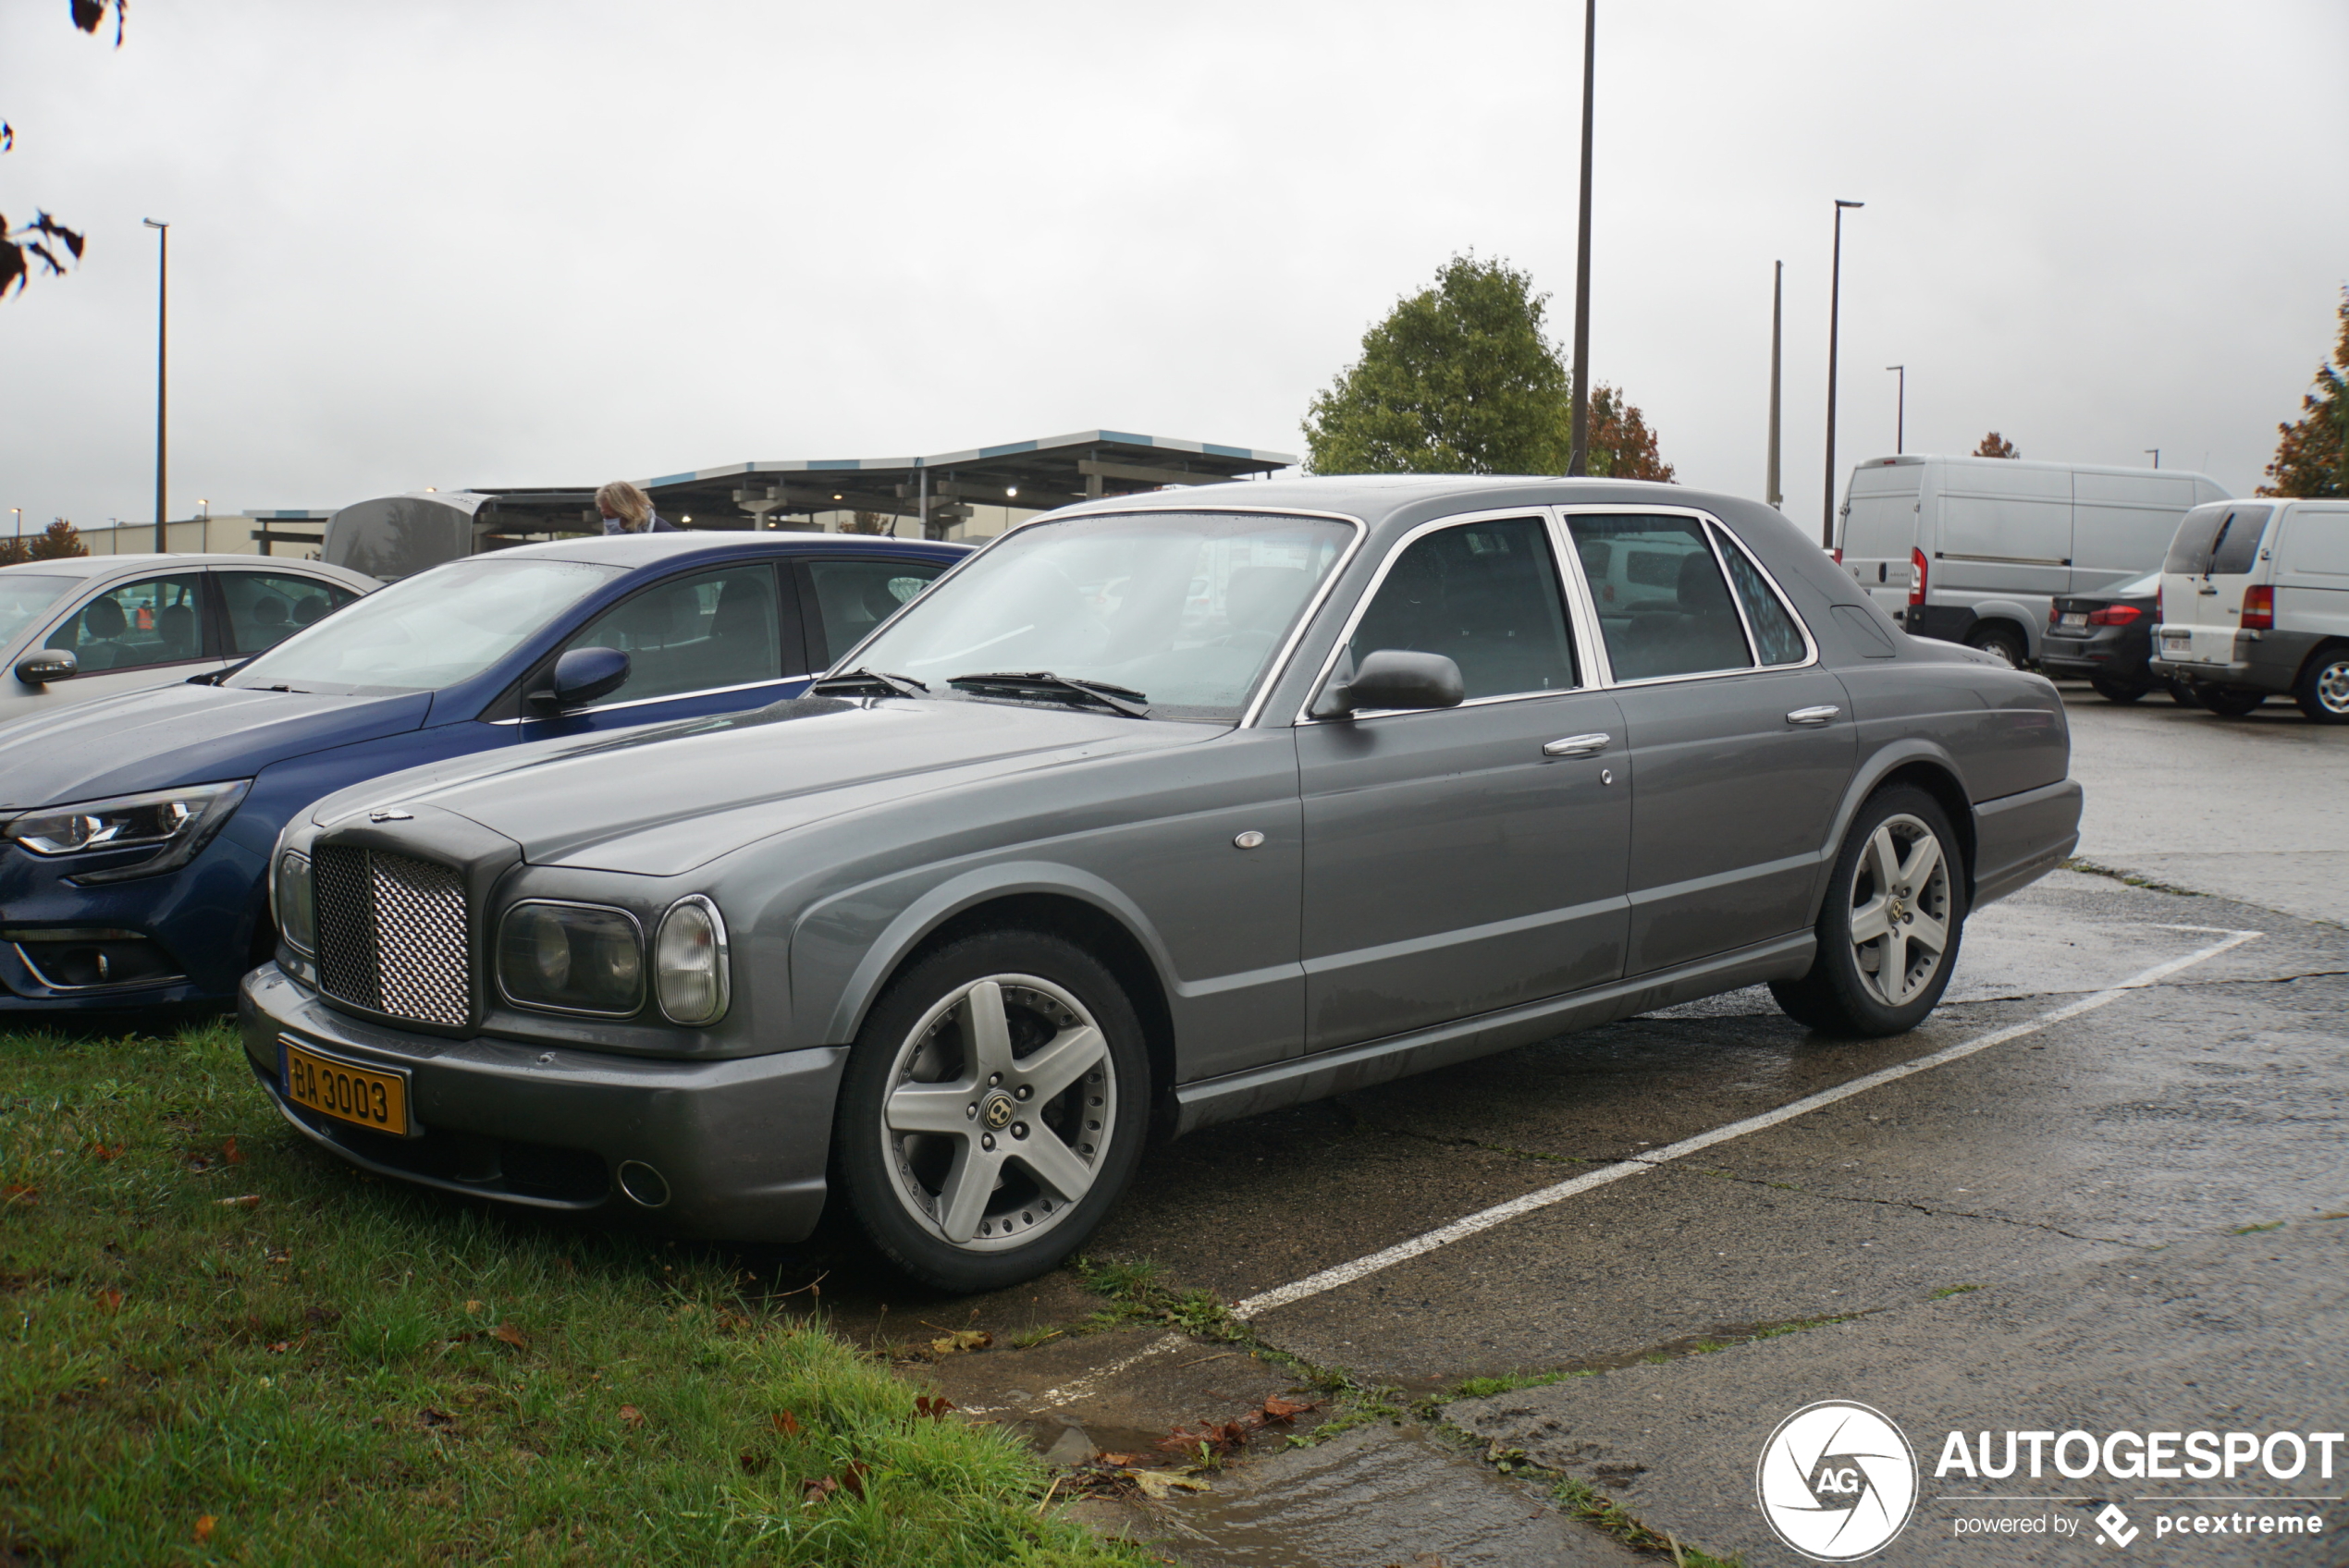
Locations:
(135, 831)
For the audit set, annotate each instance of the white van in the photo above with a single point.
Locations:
(1973, 549)
(2255, 600)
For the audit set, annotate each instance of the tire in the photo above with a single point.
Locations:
(2229, 702)
(1843, 994)
(2322, 690)
(2181, 694)
(2002, 641)
(934, 1102)
(2117, 692)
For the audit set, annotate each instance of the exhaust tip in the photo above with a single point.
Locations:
(642, 1184)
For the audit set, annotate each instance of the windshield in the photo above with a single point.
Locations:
(1185, 608)
(426, 631)
(21, 598)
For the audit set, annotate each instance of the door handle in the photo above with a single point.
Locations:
(1589, 745)
(1823, 714)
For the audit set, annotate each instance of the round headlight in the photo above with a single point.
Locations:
(689, 963)
(572, 958)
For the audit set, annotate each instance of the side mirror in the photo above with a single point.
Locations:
(582, 675)
(44, 665)
(1392, 678)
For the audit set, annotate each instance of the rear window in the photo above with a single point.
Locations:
(2221, 539)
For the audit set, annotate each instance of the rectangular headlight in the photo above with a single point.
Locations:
(689, 963)
(292, 902)
(572, 958)
(174, 823)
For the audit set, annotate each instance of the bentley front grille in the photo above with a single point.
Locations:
(392, 934)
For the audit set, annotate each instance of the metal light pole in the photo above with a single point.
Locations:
(1578, 461)
(1770, 491)
(1835, 314)
(163, 308)
(1900, 415)
(2157, 454)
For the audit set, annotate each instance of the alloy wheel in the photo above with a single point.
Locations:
(1000, 1106)
(1900, 910)
(2331, 687)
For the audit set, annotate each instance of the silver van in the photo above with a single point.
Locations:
(2255, 601)
(1974, 550)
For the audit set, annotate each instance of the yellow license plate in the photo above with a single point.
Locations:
(357, 1095)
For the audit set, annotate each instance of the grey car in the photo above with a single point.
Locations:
(93, 625)
(1156, 812)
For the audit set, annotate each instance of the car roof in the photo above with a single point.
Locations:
(99, 566)
(1376, 498)
(652, 549)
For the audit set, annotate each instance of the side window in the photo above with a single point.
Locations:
(1663, 606)
(693, 634)
(853, 596)
(155, 620)
(1772, 623)
(1486, 596)
(265, 608)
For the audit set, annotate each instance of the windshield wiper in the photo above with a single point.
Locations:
(1122, 699)
(891, 685)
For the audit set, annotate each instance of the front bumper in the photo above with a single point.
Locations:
(740, 1145)
(189, 932)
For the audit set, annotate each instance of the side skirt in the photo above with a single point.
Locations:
(1280, 1084)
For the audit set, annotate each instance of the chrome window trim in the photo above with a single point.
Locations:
(495, 959)
(1538, 513)
(644, 701)
(1580, 589)
(1726, 540)
(725, 961)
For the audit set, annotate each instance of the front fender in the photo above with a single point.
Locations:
(840, 960)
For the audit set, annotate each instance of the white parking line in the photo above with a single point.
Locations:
(1485, 1220)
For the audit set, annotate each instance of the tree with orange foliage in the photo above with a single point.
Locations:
(1996, 446)
(1622, 446)
(2312, 458)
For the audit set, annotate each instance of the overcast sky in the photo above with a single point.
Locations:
(508, 242)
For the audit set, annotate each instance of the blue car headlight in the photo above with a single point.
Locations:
(572, 958)
(175, 823)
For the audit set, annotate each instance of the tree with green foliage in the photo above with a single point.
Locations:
(1457, 379)
(57, 542)
(2312, 454)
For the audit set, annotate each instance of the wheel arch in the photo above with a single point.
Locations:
(1057, 900)
(2325, 648)
(1929, 768)
(2006, 612)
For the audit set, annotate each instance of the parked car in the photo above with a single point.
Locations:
(135, 830)
(1975, 550)
(2256, 602)
(97, 626)
(2106, 638)
(1048, 859)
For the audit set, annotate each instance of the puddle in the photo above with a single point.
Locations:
(1374, 1496)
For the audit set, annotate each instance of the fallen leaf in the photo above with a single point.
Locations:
(818, 1489)
(511, 1335)
(229, 1152)
(110, 1300)
(631, 1415)
(1159, 1484)
(1286, 1410)
(250, 1200)
(205, 1524)
(25, 1195)
(852, 1478)
(931, 1409)
(1222, 1436)
(436, 1417)
(753, 1462)
(961, 1340)
(785, 1422)
(99, 1150)
(1123, 1461)
(281, 1347)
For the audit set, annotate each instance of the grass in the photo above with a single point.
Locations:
(345, 1371)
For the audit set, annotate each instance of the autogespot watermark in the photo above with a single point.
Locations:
(1837, 1481)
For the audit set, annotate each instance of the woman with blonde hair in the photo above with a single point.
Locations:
(628, 510)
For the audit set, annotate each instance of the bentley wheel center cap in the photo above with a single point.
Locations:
(997, 1113)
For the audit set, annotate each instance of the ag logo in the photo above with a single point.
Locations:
(1837, 1481)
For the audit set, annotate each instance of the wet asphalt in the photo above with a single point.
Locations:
(2132, 1216)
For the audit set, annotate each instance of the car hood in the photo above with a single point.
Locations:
(182, 734)
(665, 799)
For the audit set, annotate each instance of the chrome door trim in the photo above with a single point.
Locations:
(1537, 513)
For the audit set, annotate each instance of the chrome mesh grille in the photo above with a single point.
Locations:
(392, 934)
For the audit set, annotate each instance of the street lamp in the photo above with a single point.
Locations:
(1770, 491)
(1578, 459)
(163, 307)
(1900, 415)
(2157, 454)
(1834, 315)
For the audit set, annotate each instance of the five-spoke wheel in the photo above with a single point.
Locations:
(1894, 916)
(993, 1108)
